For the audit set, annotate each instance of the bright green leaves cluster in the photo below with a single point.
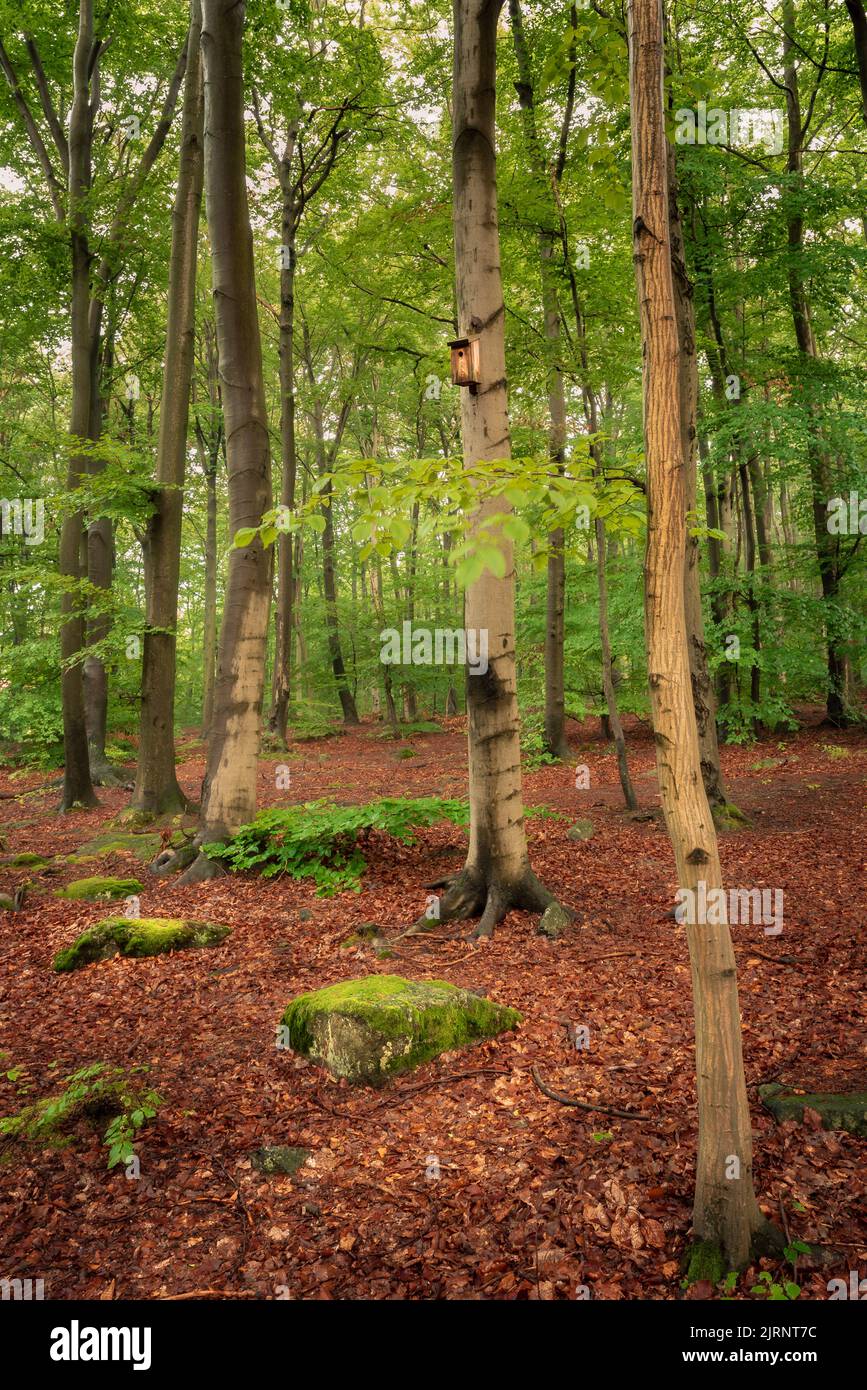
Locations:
(91, 1091)
(319, 840)
(536, 499)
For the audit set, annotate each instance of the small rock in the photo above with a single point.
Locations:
(279, 1158)
(581, 830)
(554, 921)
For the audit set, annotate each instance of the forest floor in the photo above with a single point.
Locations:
(533, 1200)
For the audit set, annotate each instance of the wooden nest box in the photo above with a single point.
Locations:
(466, 362)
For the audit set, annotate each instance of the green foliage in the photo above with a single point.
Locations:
(319, 840)
(533, 747)
(94, 1090)
(766, 1287)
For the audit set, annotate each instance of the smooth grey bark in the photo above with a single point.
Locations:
(229, 791)
(157, 790)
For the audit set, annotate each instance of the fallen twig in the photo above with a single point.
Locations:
(207, 1293)
(582, 1104)
(777, 960)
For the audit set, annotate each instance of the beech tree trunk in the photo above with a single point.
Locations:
(156, 787)
(77, 784)
(281, 681)
(726, 1214)
(555, 604)
(818, 454)
(859, 31)
(497, 873)
(209, 455)
(100, 573)
(615, 727)
(229, 791)
(702, 687)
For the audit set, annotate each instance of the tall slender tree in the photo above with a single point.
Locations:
(497, 875)
(156, 788)
(229, 792)
(727, 1219)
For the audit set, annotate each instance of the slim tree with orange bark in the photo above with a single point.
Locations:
(727, 1221)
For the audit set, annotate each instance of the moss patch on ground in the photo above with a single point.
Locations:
(87, 888)
(368, 1029)
(137, 937)
(144, 847)
(838, 1111)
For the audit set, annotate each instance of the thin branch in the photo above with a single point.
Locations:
(51, 116)
(55, 187)
(581, 1104)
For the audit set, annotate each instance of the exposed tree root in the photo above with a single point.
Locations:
(171, 860)
(468, 894)
(202, 868)
(706, 1259)
(43, 786)
(102, 774)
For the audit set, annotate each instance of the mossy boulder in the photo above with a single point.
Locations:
(86, 888)
(581, 830)
(137, 936)
(368, 1029)
(838, 1111)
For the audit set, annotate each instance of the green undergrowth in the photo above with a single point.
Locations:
(324, 842)
(92, 1092)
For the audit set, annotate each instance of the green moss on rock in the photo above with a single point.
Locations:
(28, 861)
(847, 1112)
(137, 936)
(100, 888)
(368, 1029)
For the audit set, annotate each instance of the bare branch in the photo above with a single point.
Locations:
(55, 186)
(51, 116)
